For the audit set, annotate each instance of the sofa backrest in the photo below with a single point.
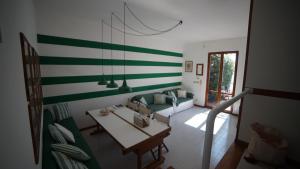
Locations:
(174, 90)
(48, 160)
(148, 97)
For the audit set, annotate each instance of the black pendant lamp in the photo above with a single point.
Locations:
(124, 88)
(102, 80)
(112, 83)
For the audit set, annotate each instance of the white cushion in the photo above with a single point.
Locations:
(68, 135)
(159, 99)
(181, 93)
(143, 100)
(172, 94)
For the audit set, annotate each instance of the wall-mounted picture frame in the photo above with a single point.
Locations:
(199, 69)
(188, 66)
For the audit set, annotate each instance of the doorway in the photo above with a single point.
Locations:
(221, 78)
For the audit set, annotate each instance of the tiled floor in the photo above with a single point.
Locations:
(185, 142)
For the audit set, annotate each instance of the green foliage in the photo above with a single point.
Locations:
(227, 72)
(215, 72)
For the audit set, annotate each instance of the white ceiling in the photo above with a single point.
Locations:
(202, 19)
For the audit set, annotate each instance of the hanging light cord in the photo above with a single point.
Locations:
(119, 30)
(124, 13)
(102, 47)
(138, 33)
(112, 70)
(141, 33)
(141, 22)
(120, 20)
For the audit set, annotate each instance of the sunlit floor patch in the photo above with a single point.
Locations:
(199, 120)
(219, 122)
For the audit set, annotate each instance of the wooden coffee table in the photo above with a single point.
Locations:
(119, 125)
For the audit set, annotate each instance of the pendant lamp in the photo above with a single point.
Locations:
(102, 80)
(112, 83)
(124, 88)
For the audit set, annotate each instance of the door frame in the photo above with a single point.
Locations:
(220, 77)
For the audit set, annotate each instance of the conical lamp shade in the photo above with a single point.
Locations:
(112, 83)
(102, 81)
(125, 88)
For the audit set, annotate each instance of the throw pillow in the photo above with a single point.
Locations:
(159, 99)
(61, 111)
(143, 100)
(68, 135)
(52, 113)
(71, 151)
(172, 94)
(65, 162)
(56, 134)
(181, 93)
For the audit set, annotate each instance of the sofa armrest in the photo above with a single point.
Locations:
(189, 95)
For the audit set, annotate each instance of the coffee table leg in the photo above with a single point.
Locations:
(159, 152)
(96, 131)
(139, 161)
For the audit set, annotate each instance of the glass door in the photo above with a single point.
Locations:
(214, 64)
(221, 78)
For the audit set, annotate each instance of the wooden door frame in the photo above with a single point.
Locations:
(221, 73)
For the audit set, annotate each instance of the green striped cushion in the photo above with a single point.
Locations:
(71, 151)
(65, 162)
(61, 111)
(56, 134)
(52, 113)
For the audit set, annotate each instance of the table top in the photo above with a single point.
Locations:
(121, 127)
(155, 127)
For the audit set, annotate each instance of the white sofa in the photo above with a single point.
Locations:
(170, 107)
(180, 105)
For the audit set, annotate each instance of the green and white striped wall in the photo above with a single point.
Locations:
(71, 68)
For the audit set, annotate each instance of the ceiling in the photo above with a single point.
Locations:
(202, 19)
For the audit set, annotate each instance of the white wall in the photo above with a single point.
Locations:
(273, 63)
(198, 53)
(57, 24)
(16, 144)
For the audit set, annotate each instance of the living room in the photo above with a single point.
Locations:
(91, 59)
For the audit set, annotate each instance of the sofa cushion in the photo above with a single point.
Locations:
(148, 97)
(71, 151)
(173, 90)
(48, 160)
(56, 134)
(65, 162)
(181, 93)
(188, 94)
(144, 101)
(80, 142)
(158, 107)
(159, 99)
(68, 135)
(173, 95)
(181, 100)
(61, 111)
